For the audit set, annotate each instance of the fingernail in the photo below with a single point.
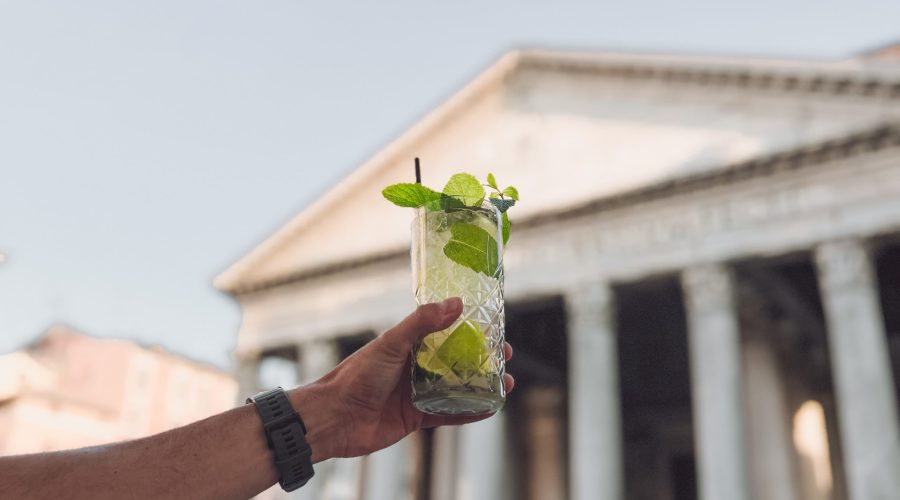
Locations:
(451, 306)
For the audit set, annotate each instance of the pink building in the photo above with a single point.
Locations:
(68, 389)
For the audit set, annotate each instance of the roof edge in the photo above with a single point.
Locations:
(484, 82)
(864, 141)
(835, 78)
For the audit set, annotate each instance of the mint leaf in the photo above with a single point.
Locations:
(473, 247)
(492, 182)
(506, 226)
(465, 188)
(512, 193)
(410, 195)
(449, 204)
(502, 204)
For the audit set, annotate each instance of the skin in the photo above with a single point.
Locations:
(361, 406)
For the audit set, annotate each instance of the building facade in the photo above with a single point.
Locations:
(703, 282)
(69, 390)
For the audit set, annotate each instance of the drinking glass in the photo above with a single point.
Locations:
(457, 252)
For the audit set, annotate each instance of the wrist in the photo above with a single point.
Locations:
(324, 431)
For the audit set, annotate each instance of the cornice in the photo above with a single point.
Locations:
(826, 79)
(867, 141)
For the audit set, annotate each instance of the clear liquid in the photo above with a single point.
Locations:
(437, 387)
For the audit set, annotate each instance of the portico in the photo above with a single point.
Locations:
(765, 269)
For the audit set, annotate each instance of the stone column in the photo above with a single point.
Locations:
(482, 459)
(861, 371)
(595, 428)
(387, 473)
(316, 358)
(771, 467)
(714, 339)
(445, 463)
(247, 375)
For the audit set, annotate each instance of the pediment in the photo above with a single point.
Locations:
(570, 128)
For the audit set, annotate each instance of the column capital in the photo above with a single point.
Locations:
(590, 303)
(708, 286)
(843, 263)
(316, 358)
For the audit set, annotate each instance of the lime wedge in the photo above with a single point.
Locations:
(427, 356)
(463, 352)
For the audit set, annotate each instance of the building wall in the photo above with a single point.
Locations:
(74, 390)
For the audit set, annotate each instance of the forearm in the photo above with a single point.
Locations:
(224, 456)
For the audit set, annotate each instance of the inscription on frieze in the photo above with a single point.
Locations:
(684, 223)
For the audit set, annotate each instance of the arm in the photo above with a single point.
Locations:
(361, 406)
(224, 456)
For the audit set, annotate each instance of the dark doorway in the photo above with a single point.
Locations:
(790, 412)
(537, 411)
(654, 376)
(887, 264)
(348, 344)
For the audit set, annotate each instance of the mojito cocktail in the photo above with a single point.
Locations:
(458, 236)
(460, 370)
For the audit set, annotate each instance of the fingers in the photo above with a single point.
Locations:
(507, 351)
(509, 383)
(425, 319)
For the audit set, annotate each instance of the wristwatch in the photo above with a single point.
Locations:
(286, 436)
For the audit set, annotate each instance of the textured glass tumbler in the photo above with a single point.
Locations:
(458, 253)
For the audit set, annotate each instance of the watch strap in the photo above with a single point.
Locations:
(286, 437)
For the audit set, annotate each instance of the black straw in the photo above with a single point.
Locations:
(418, 172)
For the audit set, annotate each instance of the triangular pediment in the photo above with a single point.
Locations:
(569, 128)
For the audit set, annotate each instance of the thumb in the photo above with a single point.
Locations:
(427, 318)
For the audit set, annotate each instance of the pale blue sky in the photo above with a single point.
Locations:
(146, 145)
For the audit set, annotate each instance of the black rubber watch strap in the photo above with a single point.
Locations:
(286, 436)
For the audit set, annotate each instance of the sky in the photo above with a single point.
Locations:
(145, 146)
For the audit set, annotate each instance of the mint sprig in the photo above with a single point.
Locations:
(502, 204)
(470, 245)
(492, 182)
(503, 200)
(505, 227)
(462, 190)
(410, 195)
(465, 188)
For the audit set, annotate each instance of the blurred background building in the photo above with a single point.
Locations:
(703, 282)
(68, 390)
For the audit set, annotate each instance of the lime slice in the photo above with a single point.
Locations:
(463, 352)
(427, 356)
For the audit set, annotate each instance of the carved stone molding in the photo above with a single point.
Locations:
(590, 305)
(709, 287)
(317, 357)
(874, 139)
(729, 215)
(844, 263)
(825, 83)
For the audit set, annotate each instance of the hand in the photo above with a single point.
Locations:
(364, 404)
